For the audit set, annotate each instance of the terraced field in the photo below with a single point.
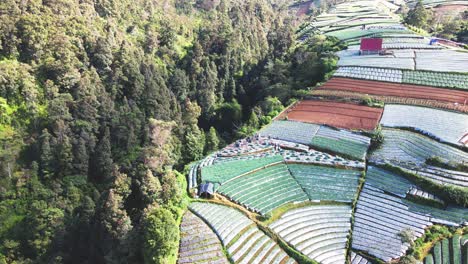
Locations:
(245, 243)
(290, 131)
(358, 259)
(198, 243)
(341, 142)
(220, 173)
(424, 78)
(342, 115)
(379, 219)
(440, 175)
(443, 125)
(264, 190)
(325, 183)
(388, 181)
(450, 250)
(301, 175)
(319, 232)
(396, 89)
(410, 147)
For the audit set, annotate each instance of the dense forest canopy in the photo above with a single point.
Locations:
(103, 102)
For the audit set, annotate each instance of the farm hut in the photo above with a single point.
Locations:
(206, 190)
(371, 46)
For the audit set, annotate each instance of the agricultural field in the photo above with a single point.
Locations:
(424, 78)
(438, 61)
(390, 99)
(245, 243)
(319, 232)
(443, 125)
(264, 190)
(342, 115)
(410, 147)
(198, 243)
(388, 181)
(366, 73)
(440, 175)
(379, 220)
(326, 183)
(395, 89)
(358, 259)
(314, 181)
(297, 132)
(449, 250)
(436, 79)
(342, 142)
(223, 172)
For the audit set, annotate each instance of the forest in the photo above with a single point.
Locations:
(104, 102)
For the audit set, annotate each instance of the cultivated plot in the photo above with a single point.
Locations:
(443, 125)
(342, 115)
(319, 232)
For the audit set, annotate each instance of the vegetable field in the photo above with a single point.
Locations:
(245, 243)
(443, 125)
(396, 89)
(324, 183)
(198, 243)
(319, 232)
(349, 116)
(264, 190)
(406, 146)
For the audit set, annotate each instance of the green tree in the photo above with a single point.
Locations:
(46, 158)
(418, 16)
(103, 163)
(212, 140)
(160, 236)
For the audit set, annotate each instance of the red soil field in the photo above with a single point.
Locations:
(342, 115)
(396, 89)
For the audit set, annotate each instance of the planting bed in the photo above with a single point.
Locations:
(406, 146)
(325, 183)
(358, 259)
(440, 175)
(444, 125)
(243, 240)
(449, 250)
(345, 95)
(222, 172)
(379, 219)
(396, 89)
(319, 232)
(264, 190)
(342, 142)
(198, 243)
(335, 114)
(290, 131)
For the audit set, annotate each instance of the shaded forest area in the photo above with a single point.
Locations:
(103, 102)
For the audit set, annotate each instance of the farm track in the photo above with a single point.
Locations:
(335, 94)
(396, 89)
(342, 115)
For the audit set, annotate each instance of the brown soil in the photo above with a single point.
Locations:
(396, 89)
(342, 115)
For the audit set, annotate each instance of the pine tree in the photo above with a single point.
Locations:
(418, 16)
(103, 158)
(212, 140)
(46, 155)
(81, 157)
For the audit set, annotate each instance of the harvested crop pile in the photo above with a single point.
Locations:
(342, 115)
(396, 89)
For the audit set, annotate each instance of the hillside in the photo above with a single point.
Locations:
(217, 131)
(368, 167)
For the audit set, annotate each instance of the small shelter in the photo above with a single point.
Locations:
(206, 190)
(371, 46)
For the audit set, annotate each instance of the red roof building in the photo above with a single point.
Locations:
(371, 45)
